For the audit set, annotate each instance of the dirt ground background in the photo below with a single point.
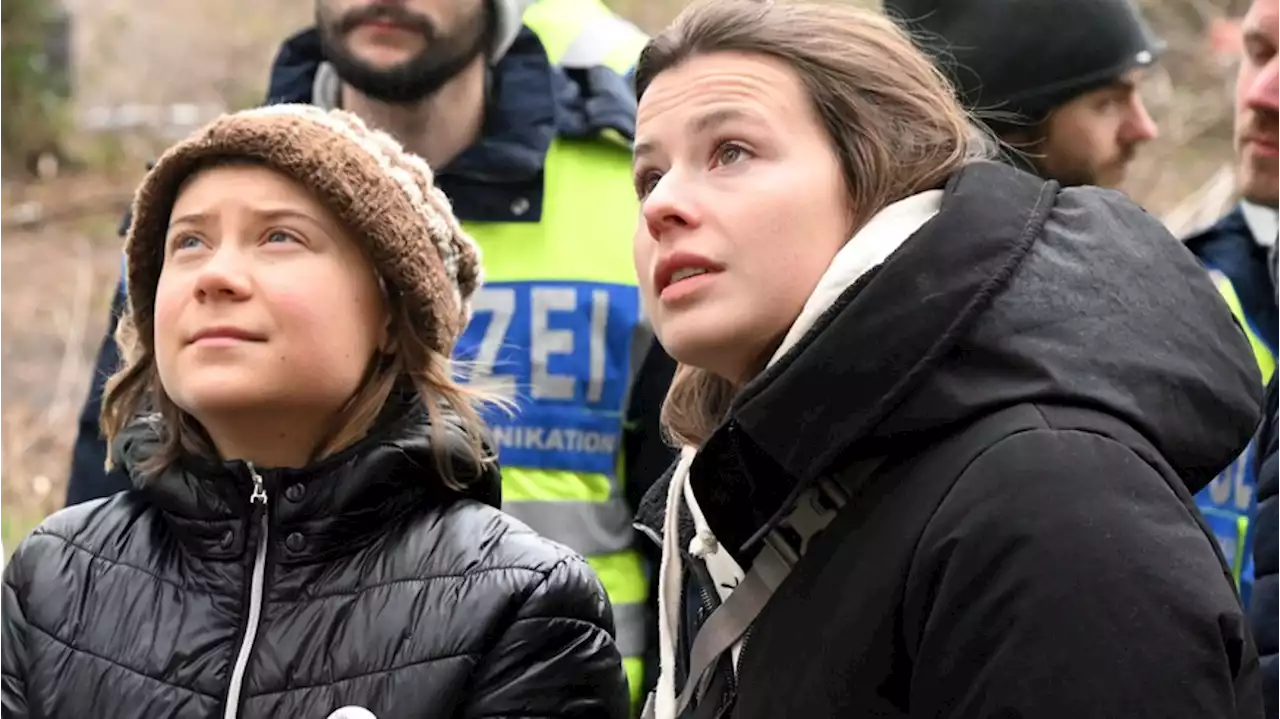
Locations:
(60, 254)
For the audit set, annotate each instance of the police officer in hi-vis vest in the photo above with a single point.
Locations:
(1240, 252)
(528, 124)
(1243, 255)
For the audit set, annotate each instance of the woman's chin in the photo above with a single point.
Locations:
(703, 345)
(221, 399)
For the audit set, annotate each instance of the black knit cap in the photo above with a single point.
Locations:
(1028, 56)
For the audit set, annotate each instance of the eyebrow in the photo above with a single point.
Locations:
(701, 124)
(269, 214)
(191, 218)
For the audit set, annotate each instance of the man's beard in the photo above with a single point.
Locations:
(1077, 171)
(440, 60)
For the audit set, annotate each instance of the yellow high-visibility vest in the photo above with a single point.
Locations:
(557, 323)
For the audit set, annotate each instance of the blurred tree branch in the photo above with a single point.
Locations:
(36, 82)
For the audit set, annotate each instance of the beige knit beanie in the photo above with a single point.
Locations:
(384, 194)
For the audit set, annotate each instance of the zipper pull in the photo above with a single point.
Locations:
(259, 490)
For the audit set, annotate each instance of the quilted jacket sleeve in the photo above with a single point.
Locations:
(14, 692)
(557, 658)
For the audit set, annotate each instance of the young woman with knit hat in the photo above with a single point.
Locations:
(315, 523)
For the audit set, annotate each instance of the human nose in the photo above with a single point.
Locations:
(225, 274)
(1140, 126)
(1264, 92)
(669, 206)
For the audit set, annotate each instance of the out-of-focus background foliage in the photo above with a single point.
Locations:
(92, 89)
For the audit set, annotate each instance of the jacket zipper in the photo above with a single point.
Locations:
(259, 496)
(708, 604)
(700, 578)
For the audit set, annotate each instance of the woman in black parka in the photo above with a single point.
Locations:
(942, 420)
(315, 524)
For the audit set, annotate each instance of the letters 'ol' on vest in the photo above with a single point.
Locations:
(1227, 502)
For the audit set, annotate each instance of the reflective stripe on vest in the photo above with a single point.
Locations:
(1261, 352)
(554, 326)
(585, 33)
(564, 479)
(1227, 502)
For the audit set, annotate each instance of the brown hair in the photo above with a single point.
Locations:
(136, 389)
(893, 119)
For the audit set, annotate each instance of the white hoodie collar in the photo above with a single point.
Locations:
(883, 234)
(1262, 222)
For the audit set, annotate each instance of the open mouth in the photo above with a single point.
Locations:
(686, 273)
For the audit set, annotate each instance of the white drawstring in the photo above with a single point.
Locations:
(670, 575)
(703, 542)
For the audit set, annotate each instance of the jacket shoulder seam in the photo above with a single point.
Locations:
(1048, 428)
(955, 480)
(546, 577)
(959, 474)
(114, 662)
(553, 617)
(116, 562)
(545, 582)
(362, 675)
(414, 580)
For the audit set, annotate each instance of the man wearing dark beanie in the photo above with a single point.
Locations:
(1056, 80)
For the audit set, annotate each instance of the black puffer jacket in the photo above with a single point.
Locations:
(378, 588)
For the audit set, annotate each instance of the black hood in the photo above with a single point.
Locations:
(1017, 291)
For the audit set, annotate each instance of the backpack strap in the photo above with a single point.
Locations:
(781, 550)
(815, 509)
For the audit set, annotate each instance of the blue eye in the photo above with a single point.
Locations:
(278, 237)
(185, 242)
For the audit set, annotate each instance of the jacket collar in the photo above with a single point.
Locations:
(755, 465)
(530, 103)
(1231, 246)
(870, 313)
(334, 506)
(870, 247)
(1262, 223)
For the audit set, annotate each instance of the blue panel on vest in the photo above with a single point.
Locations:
(1229, 497)
(564, 350)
